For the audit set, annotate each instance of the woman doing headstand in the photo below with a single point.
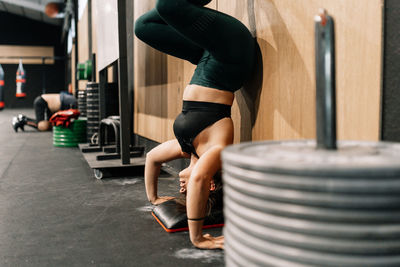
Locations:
(223, 50)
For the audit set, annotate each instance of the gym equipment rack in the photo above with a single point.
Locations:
(124, 65)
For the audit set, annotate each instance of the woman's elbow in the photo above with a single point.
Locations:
(152, 158)
(200, 178)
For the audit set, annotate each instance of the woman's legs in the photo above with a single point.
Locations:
(226, 38)
(152, 29)
(41, 108)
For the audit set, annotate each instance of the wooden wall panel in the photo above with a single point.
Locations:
(83, 35)
(83, 42)
(279, 102)
(285, 33)
(26, 51)
(94, 36)
(159, 83)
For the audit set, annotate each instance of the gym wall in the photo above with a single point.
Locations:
(159, 83)
(83, 49)
(279, 102)
(83, 36)
(25, 32)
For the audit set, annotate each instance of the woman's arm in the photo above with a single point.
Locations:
(164, 152)
(197, 196)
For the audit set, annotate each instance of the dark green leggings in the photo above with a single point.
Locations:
(220, 45)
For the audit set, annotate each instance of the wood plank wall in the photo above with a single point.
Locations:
(26, 51)
(159, 83)
(94, 36)
(83, 32)
(279, 103)
(83, 42)
(285, 33)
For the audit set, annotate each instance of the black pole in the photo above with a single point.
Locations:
(390, 93)
(125, 36)
(325, 81)
(93, 68)
(103, 81)
(131, 69)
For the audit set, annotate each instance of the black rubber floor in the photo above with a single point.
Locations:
(53, 212)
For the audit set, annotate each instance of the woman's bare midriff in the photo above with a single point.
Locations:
(194, 92)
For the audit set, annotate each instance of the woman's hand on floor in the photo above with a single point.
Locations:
(209, 242)
(160, 200)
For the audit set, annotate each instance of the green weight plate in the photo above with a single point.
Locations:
(69, 140)
(72, 127)
(66, 136)
(80, 71)
(88, 70)
(65, 144)
(78, 128)
(70, 132)
(74, 132)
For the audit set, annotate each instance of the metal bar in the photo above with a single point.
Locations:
(102, 92)
(91, 149)
(111, 156)
(125, 24)
(110, 149)
(102, 134)
(108, 156)
(93, 68)
(131, 68)
(113, 149)
(325, 81)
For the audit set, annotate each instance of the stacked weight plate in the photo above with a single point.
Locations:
(82, 102)
(289, 204)
(71, 136)
(92, 109)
